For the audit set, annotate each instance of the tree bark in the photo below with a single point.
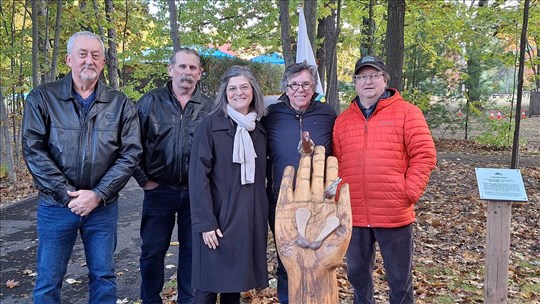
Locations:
(173, 18)
(124, 39)
(44, 40)
(35, 44)
(112, 58)
(368, 25)
(6, 139)
(100, 29)
(534, 101)
(534, 104)
(320, 53)
(285, 22)
(56, 47)
(395, 42)
(330, 44)
(310, 12)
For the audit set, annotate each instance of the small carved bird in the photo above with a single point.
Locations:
(306, 146)
(330, 191)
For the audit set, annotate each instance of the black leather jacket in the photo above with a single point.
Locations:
(66, 151)
(167, 135)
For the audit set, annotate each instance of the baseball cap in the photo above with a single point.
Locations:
(372, 61)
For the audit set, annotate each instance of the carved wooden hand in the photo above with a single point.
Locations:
(312, 230)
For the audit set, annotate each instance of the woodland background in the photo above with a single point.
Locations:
(456, 59)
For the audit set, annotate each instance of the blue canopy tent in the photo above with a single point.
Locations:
(214, 53)
(273, 58)
(203, 51)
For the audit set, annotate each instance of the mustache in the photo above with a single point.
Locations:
(187, 78)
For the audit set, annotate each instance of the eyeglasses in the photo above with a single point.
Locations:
(243, 88)
(295, 86)
(371, 77)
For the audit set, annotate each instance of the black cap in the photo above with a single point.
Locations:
(371, 61)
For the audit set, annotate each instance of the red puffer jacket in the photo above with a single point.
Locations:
(386, 160)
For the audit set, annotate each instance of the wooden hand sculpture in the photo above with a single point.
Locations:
(312, 229)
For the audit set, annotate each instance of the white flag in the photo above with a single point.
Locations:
(304, 52)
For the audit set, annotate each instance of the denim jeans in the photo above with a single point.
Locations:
(396, 245)
(160, 209)
(57, 231)
(281, 272)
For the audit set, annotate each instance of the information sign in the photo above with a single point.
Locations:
(501, 184)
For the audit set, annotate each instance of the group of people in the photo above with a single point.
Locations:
(214, 168)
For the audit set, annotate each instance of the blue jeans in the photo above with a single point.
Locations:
(160, 209)
(57, 231)
(396, 245)
(281, 272)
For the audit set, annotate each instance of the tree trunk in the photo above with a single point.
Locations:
(330, 44)
(100, 29)
(56, 47)
(44, 41)
(395, 42)
(366, 47)
(18, 100)
(285, 22)
(320, 53)
(310, 12)
(534, 106)
(6, 140)
(173, 18)
(124, 38)
(112, 59)
(35, 44)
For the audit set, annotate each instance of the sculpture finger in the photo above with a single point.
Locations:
(332, 179)
(317, 180)
(302, 193)
(286, 189)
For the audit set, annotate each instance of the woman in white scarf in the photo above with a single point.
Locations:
(229, 206)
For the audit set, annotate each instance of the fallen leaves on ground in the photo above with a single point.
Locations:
(12, 283)
(450, 232)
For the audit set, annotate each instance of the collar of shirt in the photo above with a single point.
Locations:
(369, 110)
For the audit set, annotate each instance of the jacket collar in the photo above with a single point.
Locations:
(388, 97)
(66, 89)
(195, 96)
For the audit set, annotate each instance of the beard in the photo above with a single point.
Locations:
(89, 75)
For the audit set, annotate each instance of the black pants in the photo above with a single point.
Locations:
(204, 297)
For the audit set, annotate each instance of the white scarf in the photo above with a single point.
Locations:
(243, 150)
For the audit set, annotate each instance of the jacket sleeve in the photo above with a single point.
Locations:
(48, 178)
(200, 168)
(336, 147)
(128, 155)
(420, 149)
(139, 173)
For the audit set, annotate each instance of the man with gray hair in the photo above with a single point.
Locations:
(169, 117)
(297, 111)
(81, 143)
